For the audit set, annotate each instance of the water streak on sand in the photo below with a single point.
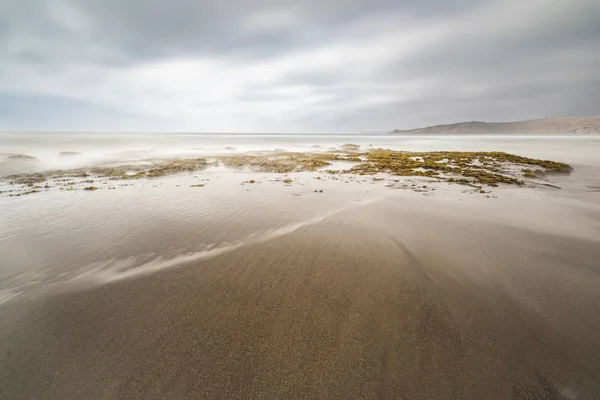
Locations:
(118, 270)
(7, 295)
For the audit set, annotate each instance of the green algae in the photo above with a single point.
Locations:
(489, 168)
(529, 173)
(162, 168)
(468, 168)
(465, 168)
(121, 172)
(284, 162)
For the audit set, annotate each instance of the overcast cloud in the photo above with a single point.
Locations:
(294, 66)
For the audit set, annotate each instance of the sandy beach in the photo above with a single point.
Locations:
(366, 290)
(300, 200)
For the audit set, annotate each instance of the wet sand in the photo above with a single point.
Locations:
(358, 292)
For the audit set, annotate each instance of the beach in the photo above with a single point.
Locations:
(221, 283)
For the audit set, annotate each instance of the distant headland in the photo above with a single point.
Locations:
(546, 125)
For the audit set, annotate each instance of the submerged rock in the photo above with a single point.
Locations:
(17, 163)
(69, 154)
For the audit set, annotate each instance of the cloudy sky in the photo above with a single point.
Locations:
(293, 65)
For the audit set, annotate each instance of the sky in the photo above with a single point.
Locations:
(294, 66)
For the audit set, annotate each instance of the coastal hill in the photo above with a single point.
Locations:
(547, 125)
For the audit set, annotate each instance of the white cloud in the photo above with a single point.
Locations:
(68, 16)
(373, 61)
